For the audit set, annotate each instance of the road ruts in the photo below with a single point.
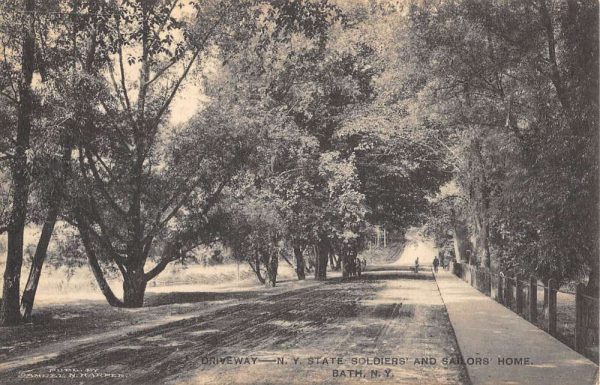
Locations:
(357, 316)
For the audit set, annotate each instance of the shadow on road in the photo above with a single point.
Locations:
(389, 275)
(178, 297)
(373, 273)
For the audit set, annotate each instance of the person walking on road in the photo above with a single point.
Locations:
(436, 263)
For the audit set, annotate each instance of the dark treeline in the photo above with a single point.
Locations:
(519, 82)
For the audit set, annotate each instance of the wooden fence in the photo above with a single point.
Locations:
(570, 317)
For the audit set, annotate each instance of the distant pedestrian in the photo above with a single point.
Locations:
(417, 265)
(436, 263)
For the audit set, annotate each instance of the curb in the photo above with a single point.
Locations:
(453, 331)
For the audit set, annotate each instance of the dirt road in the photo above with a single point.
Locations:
(368, 330)
(416, 246)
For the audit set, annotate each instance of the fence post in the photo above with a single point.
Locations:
(533, 299)
(552, 286)
(519, 295)
(579, 319)
(488, 281)
(500, 289)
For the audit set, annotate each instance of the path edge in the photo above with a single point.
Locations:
(470, 382)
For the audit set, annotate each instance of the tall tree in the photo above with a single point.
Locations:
(133, 189)
(10, 309)
(58, 27)
(508, 77)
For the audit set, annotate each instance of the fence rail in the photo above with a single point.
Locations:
(570, 317)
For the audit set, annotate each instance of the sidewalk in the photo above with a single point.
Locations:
(487, 330)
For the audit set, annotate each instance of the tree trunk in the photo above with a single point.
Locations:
(9, 311)
(272, 266)
(37, 264)
(346, 264)
(312, 259)
(545, 282)
(460, 238)
(592, 286)
(300, 266)
(111, 298)
(321, 262)
(41, 250)
(482, 216)
(256, 269)
(134, 287)
(487, 256)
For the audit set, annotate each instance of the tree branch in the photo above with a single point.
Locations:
(11, 98)
(554, 70)
(122, 71)
(124, 105)
(211, 200)
(162, 264)
(103, 239)
(186, 70)
(12, 84)
(102, 188)
(157, 35)
(104, 165)
(159, 268)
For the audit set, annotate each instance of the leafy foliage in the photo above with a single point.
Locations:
(509, 79)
